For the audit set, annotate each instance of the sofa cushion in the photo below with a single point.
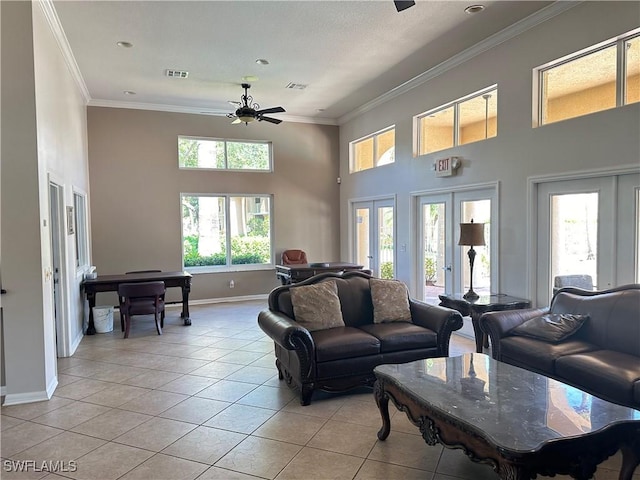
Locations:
(538, 355)
(397, 336)
(390, 300)
(607, 371)
(343, 343)
(551, 327)
(317, 307)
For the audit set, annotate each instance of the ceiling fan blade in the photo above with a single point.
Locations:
(271, 110)
(270, 120)
(403, 4)
(234, 103)
(237, 120)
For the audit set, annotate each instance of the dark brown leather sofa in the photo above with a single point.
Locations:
(341, 358)
(602, 357)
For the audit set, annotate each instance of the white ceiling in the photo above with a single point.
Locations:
(349, 53)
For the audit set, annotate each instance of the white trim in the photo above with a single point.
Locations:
(457, 188)
(206, 301)
(30, 397)
(494, 40)
(53, 20)
(197, 110)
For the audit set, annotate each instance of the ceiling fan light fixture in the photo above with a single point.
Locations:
(246, 119)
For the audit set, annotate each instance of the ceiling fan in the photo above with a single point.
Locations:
(248, 111)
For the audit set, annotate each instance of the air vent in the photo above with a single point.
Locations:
(177, 73)
(296, 86)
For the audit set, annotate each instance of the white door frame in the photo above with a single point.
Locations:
(464, 191)
(60, 294)
(392, 200)
(533, 184)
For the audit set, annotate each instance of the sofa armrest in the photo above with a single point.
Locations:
(498, 324)
(285, 331)
(441, 320)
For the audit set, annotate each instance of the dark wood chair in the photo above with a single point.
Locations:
(144, 298)
(134, 272)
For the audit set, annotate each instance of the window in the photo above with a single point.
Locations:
(226, 231)
(82, 244)
(213, 153)
(469, 119)
(373, 151)
(598, 78)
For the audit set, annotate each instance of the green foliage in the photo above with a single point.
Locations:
(244, 250)
(243, 155)
(258, 226)
(430, 269)
(386, 270)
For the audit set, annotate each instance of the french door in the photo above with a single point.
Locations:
(587, 226)
(374, 236)
(443, 266)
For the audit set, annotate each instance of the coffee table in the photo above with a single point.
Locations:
(519, 422)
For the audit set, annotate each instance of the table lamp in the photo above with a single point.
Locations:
(471, 234)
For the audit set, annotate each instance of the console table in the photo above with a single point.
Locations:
(519, 422)
(110, 283)
(296, 273)
(475, 308)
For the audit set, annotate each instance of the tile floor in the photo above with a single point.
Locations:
(205, 402)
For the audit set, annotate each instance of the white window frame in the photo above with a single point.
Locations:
(81, 230)
(621, 73)
(352, 149)
(456, 120)
(226, 141)
(227, 206)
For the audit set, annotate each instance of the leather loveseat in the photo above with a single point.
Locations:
(343, 357)
(602, 357)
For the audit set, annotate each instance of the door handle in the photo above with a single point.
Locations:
(448, 268)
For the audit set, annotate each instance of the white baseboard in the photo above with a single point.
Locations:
(205, 301)
(29, 397)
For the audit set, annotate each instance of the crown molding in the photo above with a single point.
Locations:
(197, 111)
(502, 36)
(53, 20)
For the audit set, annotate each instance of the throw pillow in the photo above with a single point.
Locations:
(317, 307)
(390, 301)
(552, 327)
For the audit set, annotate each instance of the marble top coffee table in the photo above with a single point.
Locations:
(519, 422)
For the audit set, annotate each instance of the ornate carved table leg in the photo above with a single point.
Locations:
(186, 288)
(382, 400)
(630, 459)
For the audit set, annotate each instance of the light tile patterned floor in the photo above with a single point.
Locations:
(205, 402)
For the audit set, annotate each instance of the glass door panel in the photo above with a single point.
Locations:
(374, 232)
(362, 249)
(480, 212)
(574, 234)
(433, 276)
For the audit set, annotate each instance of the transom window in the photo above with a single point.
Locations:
(373, 151)
(226, 231)
(468, 119)
(221, 154)
(601, 77)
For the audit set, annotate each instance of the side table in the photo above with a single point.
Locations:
(475, 308)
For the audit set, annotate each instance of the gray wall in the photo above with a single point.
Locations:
(605, 139)
(136, 186)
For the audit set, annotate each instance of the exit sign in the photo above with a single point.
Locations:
(444, 167)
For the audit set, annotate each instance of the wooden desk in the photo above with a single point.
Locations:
(110, 283)
(475, 308)
(296, 273)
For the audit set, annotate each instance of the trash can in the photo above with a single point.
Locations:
(103, 319)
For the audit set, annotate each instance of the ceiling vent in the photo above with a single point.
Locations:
(177, 73)
(296, 86)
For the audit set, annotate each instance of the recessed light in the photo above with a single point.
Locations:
(125, 44)
(471, 9)
(262, 61)
(129, 92)
(320, 110)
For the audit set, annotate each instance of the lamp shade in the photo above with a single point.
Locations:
(471, 234)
